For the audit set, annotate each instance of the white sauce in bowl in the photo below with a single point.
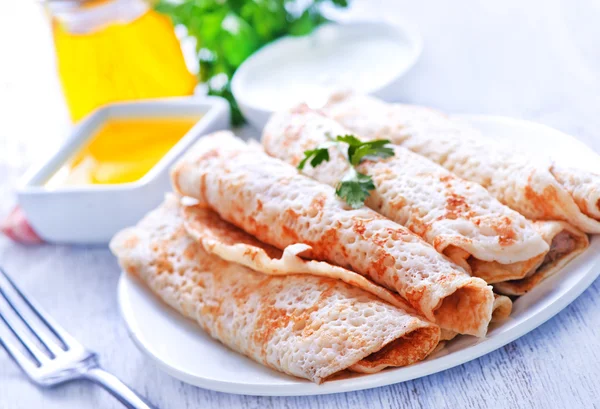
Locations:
(365, 57)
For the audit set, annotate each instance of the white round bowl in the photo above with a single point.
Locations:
(288, 53)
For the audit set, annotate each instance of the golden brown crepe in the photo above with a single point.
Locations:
(306, 326)
(457, 217)
(502, 307)
(233, 244)
(535, 187)
(270, 200)
(501, 311)
(566, 243)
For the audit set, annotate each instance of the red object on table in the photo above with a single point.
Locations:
(17, 228)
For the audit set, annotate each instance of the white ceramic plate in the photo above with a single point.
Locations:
(184, 351)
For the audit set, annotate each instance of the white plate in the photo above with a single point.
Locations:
(184, 351)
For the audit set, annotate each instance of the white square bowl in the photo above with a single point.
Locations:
(92, 214)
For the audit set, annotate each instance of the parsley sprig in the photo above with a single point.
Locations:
(354, 187)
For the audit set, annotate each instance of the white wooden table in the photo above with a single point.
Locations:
(537, 60)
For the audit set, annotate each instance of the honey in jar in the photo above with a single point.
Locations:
(115, 50)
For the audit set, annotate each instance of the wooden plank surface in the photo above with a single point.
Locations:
(537, 60)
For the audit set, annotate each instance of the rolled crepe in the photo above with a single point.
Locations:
(502, 307)
(233, 244)
(457, 217)
(306, 326)
(566, 243)
(270, 200)
(535, 187)
(501, 311)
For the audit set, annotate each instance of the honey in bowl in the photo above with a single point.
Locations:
(122, 151)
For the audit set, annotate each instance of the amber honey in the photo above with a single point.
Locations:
(123, 151)
(116, 50)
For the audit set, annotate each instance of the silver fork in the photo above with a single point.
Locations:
(48, 354)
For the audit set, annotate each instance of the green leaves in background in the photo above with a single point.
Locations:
(229, 31)
(268, 17)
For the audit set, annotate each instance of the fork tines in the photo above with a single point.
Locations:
(33, 330)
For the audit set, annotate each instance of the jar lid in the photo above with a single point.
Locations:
(85, 16)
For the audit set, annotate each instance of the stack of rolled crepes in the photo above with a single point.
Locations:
(271, 201)
(274, 265)
(537, 188)
(270, 262)
(459, 218)
(307, 319)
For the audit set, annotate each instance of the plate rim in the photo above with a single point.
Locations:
(301, 387)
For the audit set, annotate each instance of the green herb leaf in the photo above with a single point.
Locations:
(358, 150)
(220, 86)
(306, 23)
(354, 188)
(268, 17)
(316, 156)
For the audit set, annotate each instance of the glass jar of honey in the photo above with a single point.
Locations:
(115, 50)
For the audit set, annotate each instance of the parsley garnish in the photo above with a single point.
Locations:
(317, 156)
(354, 187)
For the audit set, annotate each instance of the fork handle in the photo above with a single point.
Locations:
(118, 389)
